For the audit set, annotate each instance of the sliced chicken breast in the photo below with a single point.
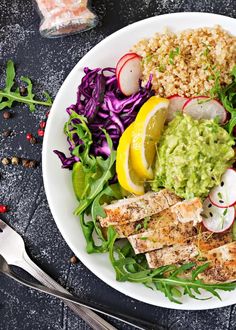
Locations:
(181, 212)
(136, 208)
(223, 264)
(188, 251)
(175, 227)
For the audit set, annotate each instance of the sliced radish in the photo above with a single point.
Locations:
(216, 219)
(224, 195)
(202, 107)
(122, 61)
(176, 104)
(129, 76)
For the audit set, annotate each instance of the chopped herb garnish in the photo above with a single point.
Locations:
(138, 227)
(220, 195)
(161, 68)
(172, 55)
(145, 222)
(143, 238)
(202, 259)
(206, 51)
(203, 100)
(225, 212)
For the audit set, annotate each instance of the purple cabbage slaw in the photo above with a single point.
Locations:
(102, 103)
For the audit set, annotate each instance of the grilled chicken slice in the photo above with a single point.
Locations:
(223, 264)
(136, 208)
(181, 212)
(189, 250)
(174, 228)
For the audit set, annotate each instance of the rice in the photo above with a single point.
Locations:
(187, 63)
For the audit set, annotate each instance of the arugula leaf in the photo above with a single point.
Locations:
(8, 95)
(227, 96)
(91, 226)
(170, 279)
(100, 171)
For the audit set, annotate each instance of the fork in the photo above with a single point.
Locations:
(5, 269)
(12, 248)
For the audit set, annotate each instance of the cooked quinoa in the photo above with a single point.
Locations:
(187, 63)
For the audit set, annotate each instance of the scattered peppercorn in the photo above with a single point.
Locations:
(3, 208)
(5, 161)
(15, 160)
(6, 133)
(23, 90)
(42, 124)
(6, 115)
(29, 136)
(33, 140)
(74, 260)
(32, 164)
(25, 162)
(40, 132)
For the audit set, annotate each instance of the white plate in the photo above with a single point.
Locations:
(57, 182)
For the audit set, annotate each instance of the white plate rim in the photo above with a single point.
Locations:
(47, 181)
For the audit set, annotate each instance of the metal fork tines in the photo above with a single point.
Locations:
(12, 248)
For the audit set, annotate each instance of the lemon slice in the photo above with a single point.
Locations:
(146, 133)
(127, 177)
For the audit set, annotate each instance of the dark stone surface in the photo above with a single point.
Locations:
(48, 62)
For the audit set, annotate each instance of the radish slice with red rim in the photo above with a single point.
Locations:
(122, 61)
(129, 76)
(216, 219)
(202, 107)
(176, 104)
(224, 195)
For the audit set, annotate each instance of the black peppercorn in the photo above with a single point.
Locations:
(32, 164)
(33, 140)
(23, 90)
(6, 115)
(6, 133)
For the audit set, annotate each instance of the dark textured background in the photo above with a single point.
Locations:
(48, 62)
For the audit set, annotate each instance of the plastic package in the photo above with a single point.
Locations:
(65, 17)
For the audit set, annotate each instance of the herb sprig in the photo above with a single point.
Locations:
(171, 279)
(9, 95)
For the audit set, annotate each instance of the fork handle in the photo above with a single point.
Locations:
(91, 318)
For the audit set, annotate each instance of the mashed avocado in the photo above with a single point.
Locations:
(192, 156)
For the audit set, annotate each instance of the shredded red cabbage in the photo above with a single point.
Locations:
(104, 106)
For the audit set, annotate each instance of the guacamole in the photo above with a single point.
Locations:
(192, 155)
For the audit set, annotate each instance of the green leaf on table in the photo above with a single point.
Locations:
(8, 95)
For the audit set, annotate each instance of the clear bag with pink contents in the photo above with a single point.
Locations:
(65, 17)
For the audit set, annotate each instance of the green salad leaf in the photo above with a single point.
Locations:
(91, 226)
(96, 170)
(174, 281)
(227, 96)
(8, 95)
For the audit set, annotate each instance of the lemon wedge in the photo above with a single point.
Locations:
(146, 133)
(127, 177)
